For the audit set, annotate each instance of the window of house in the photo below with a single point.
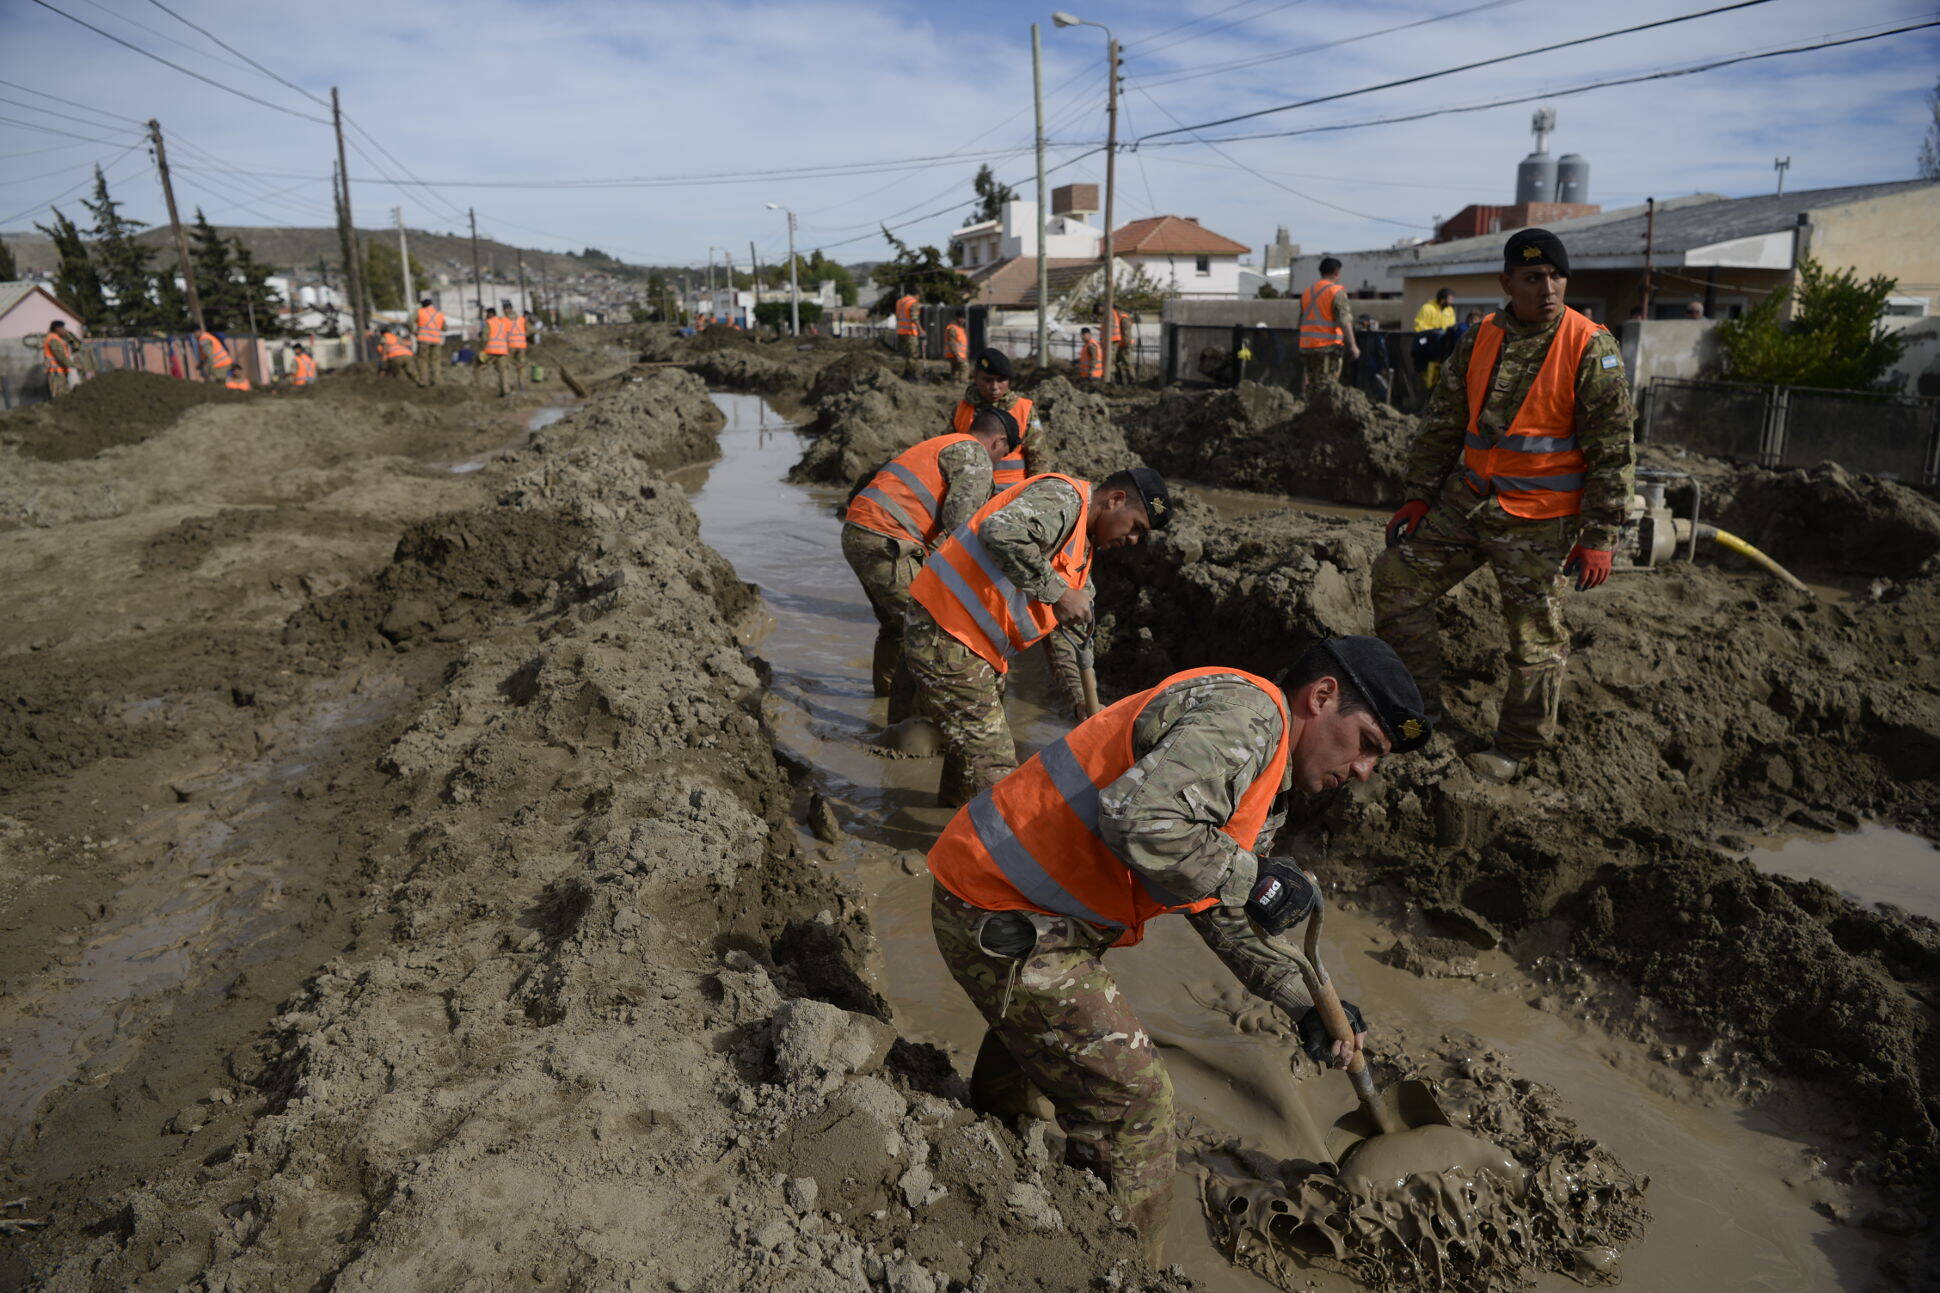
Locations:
(1202, 265)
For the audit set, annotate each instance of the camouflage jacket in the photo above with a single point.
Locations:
(1020, 537)
(1199, 745)
(968, 479)
(1006, 404)
(1604, 417)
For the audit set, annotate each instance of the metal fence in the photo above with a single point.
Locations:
(1391, 368)
(1895, 436)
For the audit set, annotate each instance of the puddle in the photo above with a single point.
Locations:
(545, 417)
(1874, 864)
(540, 419)
(1725, 1216)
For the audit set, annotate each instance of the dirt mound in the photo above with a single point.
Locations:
(1698, 705)
(1344, 449)
(736, 368)
(112, 408)
(863, 424)
(847, 370)
(664, 417)
(1079, 436)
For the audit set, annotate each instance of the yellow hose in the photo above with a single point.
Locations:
(1743, 549)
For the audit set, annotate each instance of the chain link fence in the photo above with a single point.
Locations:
(1894, 436)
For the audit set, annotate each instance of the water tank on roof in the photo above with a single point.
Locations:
(1536, 179)
(1573, 178)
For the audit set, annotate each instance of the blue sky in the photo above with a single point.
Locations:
(522, 103)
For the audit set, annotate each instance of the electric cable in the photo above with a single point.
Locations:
(50, 130)
(1257, 60)
(1252, 17)
(65, 193)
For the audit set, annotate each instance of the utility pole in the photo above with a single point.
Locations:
(1043, 205)
(755, 261)
(545, 293)
(404, 259)
(1781, 165)
(347, 231)
(175, 223)
(1650, 246)
(794, 284)
(478, 283)
(1110, 324)
(525, 301)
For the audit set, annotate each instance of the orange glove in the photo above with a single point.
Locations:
(1406, 521)
(1590, 565)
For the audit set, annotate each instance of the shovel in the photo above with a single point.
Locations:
(1402, 1107)
(1087, 667)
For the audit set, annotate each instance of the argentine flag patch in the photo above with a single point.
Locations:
(1610, 361)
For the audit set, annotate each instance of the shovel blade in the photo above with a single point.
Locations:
(1408, 1103)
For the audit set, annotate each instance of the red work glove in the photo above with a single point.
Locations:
(1590, 565)
(1406, 520)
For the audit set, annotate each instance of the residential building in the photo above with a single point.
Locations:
(28, 310)
(1068, 234)
(1181, 256)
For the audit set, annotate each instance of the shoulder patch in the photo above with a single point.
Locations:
(1611, 361)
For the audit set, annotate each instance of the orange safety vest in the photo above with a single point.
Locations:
(304, 372)
(238, 380)
(217, 352)
(974, 601)
(394, 346)
(518, 332)
(902, 499)
(906, 322)
(498, 335)
(55, 363)
(1031, 842)
(1318, 327)
(1118, 321)
(1091, 360)
(1010, 468)
(1535, 469)
(956, 342)
(431, 326)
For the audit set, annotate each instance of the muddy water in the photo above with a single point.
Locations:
(1874, 864)
(1732, 1195)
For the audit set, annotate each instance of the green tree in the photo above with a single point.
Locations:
(1930, 146)
(1268, 292)
(1137, 293)
(923, 271)
(991, 195)
(77, 284)
(262, 309)
(122, 263)
(774, 314)
(819, 268)
(8, 270)
(1835, 339)
(380, 273)
(215, 271)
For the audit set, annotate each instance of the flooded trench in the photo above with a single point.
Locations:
(1736, 1198)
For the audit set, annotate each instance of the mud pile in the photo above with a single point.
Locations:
(1080, 436)
(1700, 708)
(112, 408)
(1344, 448)
(866, 416)
(599, 1019)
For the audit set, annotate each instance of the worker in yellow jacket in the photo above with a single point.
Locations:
(1436, 316)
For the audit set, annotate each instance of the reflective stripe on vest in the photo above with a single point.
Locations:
(902, 499)
(498, 335)
(1318, 327)
(1536, 467)
(1091, 361)
(306, 371)
(1010, 468)
(237, 380)
(1117, 328)
(394, 346)
(218, 353)
(1032, 841)
(956, 342)
(517, 331)
(56, 357)
(974, 601)
(906, 323)
(431, 326)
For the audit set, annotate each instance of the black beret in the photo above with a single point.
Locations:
(1534, 247)
(1003, 418)
(1378, 674)
(1157, 498)
(995, 362)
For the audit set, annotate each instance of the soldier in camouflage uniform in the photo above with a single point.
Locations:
(959, 690)
(884, 564)
(1451, 525)
(1059, 1029)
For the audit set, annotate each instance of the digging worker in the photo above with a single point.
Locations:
(1326, 328)
(237, 380)
(1091, 357)
(899, 516)
(1121, 359)
(517, 339)
(395, 352)
(909, 329)
(997, 586)
(496, 352)
(991, 374)
(956, 347)
(1167, 801)
(303, 369)
(57, 356)
(1523, 463)
(214, 356)
(431, 341)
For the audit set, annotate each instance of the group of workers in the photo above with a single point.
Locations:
(1168, 801)
(908, 312)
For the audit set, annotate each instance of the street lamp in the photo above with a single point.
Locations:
(794, 288)
(1110, 324)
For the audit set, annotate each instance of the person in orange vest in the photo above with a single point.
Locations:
(1020, 568)
(1122, 368)
(214, 355)
(1091, 357)
(57, 357)
(991, 374)
(518, 340)
(1326, 329)
(899, 514)
(1167, 802)
(909, 330)
(1523, 463)
(496, 350)
(395, 350)
(956, 346)
(238, 380)
(303, 369)
(431, 342)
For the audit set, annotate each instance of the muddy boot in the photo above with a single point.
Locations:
(883, 664)
(999, 1088)
(902, 695)
(1494, 765)
(953, 788)
(1151, 1216)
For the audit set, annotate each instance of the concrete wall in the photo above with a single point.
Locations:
(1666, 348)
(1610, 293)
(1896, 235)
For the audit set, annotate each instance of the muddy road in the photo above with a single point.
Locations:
(445, 844)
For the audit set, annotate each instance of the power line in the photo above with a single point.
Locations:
(1252, 17)
(207, 80)
(50, 130)
(156, 31)
(70, 190)
(239, 54)
(68, 104)
(1190, 22)
(1257, 60)
(1448, 71)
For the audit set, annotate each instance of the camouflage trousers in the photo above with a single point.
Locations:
(1322, 367)
(885, 567)
(1461, 533)
(957, 690)
(505, 368)
(1060, 1028)
(1122, 367)
(429, 357)
(908, 347)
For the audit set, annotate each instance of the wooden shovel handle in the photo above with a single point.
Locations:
(1339, 1026)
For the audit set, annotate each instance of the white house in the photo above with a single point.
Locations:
(28, 309)
(1068, 234)
(1181, 256)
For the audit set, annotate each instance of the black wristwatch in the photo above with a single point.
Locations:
(1281, 897)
